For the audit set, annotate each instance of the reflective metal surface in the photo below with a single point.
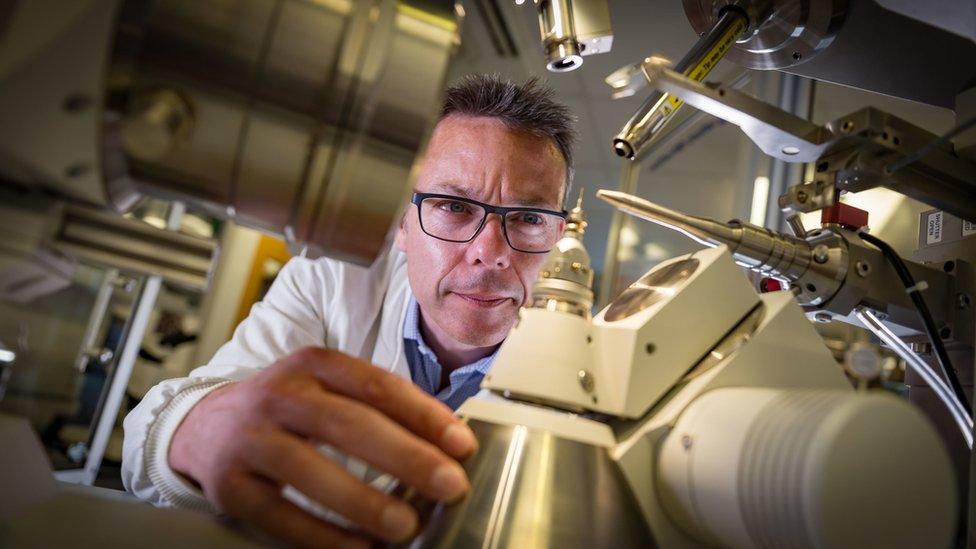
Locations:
(299, 118)
(856, 152)
(857, 43)
(532, 489)
(656, 285)
(824, 279)
(565, 282)
(757, 248)
(571, 29)
(295, 117)
(785, 32)
(655, 112)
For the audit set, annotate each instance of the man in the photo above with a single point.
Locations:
(325, 357)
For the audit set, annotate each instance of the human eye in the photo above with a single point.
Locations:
(530, 218)
(453, 206)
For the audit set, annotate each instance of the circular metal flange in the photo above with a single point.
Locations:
(788, 33)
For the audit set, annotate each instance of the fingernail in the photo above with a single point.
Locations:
(459, 440)
(399, 521)
(449, 482)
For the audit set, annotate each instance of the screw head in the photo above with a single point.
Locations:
(963, 301)
(686, 442)
(586, 380)
(823, 317)
(821, 253)
(863, 268)
(802, 196)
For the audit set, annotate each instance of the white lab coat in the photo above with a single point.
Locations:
(312, 302)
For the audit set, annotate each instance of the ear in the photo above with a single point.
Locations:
(400, 239)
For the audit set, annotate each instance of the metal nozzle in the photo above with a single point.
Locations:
(623, 149)
(755, 247)
(571, 29)
(559, 35)
(563, 56)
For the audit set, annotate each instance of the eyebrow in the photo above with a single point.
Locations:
(534, 201)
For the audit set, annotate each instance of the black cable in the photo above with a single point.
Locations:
(914, 292)
(914, 157)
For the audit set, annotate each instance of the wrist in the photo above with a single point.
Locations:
(187, 453)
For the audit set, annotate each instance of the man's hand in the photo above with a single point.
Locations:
(244, 441)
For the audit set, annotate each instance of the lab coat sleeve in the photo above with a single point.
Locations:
(289, 318)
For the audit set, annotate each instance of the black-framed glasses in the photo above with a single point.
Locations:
(457, 219)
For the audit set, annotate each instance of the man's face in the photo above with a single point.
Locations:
(471, 291)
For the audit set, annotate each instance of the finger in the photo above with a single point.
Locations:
(362, 431)
(259, 502)
(288, 460)
(394, 396)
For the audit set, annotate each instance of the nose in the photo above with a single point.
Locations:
(489, 246)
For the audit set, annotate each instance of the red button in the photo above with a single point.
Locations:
(767, 285)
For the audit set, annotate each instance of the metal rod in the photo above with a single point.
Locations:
(702, 230)
(755, 247)
(658, 108)
(119, 379)
(96, 317)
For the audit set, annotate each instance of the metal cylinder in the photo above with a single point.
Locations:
(783, 34)
(558, 32)
(532, 488)
(757, 467)
(300, 119)
(657, 109)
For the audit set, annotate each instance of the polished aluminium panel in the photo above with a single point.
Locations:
(529, 489)
(300, 118)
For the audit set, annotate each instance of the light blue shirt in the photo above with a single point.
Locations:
(426, 371)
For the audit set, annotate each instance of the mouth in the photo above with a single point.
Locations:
(486, 301)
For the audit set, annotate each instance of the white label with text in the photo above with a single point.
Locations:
(933, 231)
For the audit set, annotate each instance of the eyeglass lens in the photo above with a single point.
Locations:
(458, 220)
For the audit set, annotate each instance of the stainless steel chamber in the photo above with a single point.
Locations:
(297, 117)
(531, 488)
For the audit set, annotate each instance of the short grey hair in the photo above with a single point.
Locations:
(528, 107)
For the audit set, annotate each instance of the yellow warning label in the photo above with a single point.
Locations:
(699, 71)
